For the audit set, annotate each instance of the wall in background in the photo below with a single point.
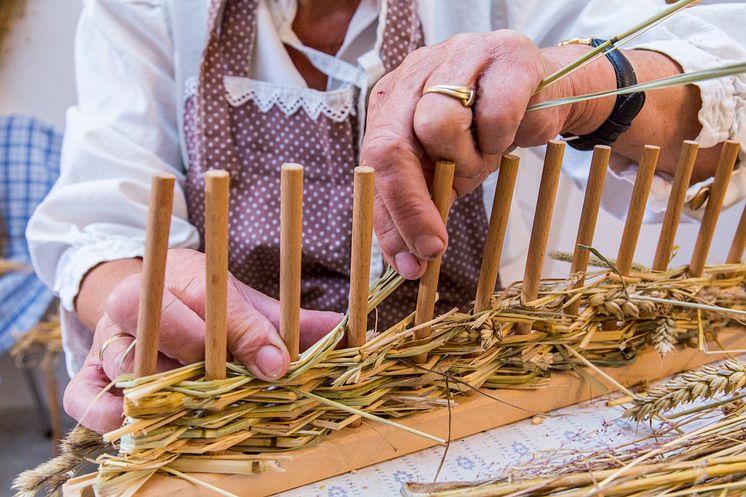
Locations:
(37, 78)
(36, 69)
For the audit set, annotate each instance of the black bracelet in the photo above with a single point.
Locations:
(625, 109)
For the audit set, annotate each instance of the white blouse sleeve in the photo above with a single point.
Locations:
(699, 37)
(704, 37)
(123, 130)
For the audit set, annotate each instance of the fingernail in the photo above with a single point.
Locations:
(271, 361)
(429, 246)
(407, 264)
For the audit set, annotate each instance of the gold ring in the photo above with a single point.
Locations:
(108, 342)
(463, 93)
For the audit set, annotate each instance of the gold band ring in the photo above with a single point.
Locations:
(108, 342)
(464, 93)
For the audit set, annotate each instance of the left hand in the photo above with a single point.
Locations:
(407, 131)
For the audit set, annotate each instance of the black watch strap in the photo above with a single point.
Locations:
(625, 109)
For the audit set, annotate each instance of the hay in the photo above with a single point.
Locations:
(688, 457)
(178, 416)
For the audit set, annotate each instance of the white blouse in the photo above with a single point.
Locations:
(137, 60)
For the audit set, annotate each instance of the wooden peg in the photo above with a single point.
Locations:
(728, 158)
(640, 192)
(683, 176)
(291, 229)
(217, 188)
(362, 236)
(537, 246)
(153, 274)
(735, 255)
(428, 290)
(588, 216)
(496, 232)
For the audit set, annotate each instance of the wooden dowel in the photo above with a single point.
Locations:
(493, 246)
(291, 229)
(217, 188)
(636, 212)
(542, 223)
(735, 255)
(362, 236)
(728, 157)
(153, 274)
(683, 176)
(588, 216)
(428, 290)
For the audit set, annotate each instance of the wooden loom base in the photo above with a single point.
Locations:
(356, 448)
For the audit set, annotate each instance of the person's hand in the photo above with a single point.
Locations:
(253, 340)
(407, 131)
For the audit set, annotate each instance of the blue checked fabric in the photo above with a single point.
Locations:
(29, 166)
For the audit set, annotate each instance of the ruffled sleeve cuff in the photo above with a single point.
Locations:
(76, 261)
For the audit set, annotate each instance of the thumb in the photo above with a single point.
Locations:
(314, 325)
(252, 338)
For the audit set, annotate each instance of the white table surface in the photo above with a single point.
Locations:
(591, 425)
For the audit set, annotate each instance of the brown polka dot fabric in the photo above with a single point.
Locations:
(252, 145)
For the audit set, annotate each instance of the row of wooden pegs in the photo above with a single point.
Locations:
(217, 185)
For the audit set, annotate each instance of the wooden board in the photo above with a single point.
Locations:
(356, 448)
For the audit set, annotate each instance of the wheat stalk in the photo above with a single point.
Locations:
(727, 378)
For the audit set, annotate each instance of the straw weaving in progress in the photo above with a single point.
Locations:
(535, 334)
(363, 394)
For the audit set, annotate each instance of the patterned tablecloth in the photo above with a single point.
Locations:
(586, 426)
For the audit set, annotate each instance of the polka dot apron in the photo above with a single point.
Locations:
(253, 142)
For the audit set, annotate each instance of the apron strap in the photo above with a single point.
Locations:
(229, 46)
(398, 16)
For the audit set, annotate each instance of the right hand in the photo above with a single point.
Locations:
(253, 340)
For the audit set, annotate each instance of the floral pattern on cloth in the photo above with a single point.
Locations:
(566, 432)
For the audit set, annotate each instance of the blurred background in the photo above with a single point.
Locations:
(37, 81)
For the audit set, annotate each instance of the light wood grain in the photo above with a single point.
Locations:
(640, 192)
(727, 161)
(735, 255)
(589, 216)
(682, 177)
(153, 274)
(217, 191)
(428, 290)
(348, 450)
(362, 236)
(537, 246)
(496, 232)
(291, 232)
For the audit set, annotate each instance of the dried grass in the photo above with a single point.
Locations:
(688, 457)
(178, 415)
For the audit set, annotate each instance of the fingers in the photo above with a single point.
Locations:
(252, 339)
(113, 349)
(442, 124)
(394, 247)
(505, 88)
(410, 224)
(85, 399)
(85, 402)
(182, 332)
(313, 324)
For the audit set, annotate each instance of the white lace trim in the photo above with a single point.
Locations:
(337, 105)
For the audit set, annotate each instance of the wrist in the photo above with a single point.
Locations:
(97, 284)
(583, 117)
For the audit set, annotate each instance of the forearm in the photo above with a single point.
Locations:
(90, 304)
(668, 117)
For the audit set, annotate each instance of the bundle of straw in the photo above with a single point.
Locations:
(9, 266)
(699, 451)
(177, 421)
